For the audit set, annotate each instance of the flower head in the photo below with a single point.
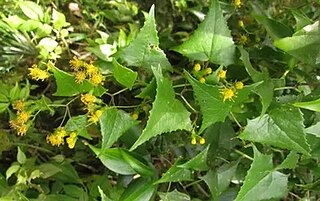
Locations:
(197, 67)
(241, 24)
(228, 94)
(57, 138)
(18, 105)
(222, 74)
(243, 39)
(202, 80)
(208, 71)
(76, 63)
(202, 140)
(38, 74)
(96, 78)
(87, 99)
(238, 85)
(193, 140)
(79, 76)
(23, 117)
(71, 140)
(94, 116)
(237, 3)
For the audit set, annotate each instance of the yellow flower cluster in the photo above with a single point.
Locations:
(228, 93)
(237, 3)
(83, 70)
(222, 74)
(94, 116)
(57, 138)
(200, 74)
(20, 123)
(38, 74)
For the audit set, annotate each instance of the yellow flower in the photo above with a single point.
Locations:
(202, 140)
(202, 80)
(241, 24)
(91, 69)
(208, 71)
(57, 138)
(76, 64)
(87, 99)
(22, 130)
(243, 39)
(23, 117)
(197, 67)
(80, 76)
(96, 78)
(222, 74)
(237, 3)
(238, 85)
(193, 140)
(18, 105)
(38, 74)
(71, 140)
(94, 117)
(227, 94)
(135, 116)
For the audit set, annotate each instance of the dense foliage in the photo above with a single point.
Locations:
(159, 100)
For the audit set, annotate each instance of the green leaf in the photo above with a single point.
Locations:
(149, 91)
(103, 196)
(3, 107)
(211, 41)
(167, 114)
(73, 190)
(174, 196)
(211, 103)
(218, 181)
(121, 161)
(314, 129)
(15, 92)
(78, 124)
(262, 181)
(199, 162)
(175, 174)
(274, 28)
(290, 162)
(123, 75)
(103, 51)
(48, 170)
(310, 105)
(114, 123)
(67, 86)
(144, 50)
(301, 19)
(140, 190)
(265, 89)
(31, 10)
(303, 45)
(59, 20)
(11, 170)
(21, 157)
(282, 127)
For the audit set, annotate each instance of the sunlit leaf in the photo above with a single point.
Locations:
(281, 127)
(168, 114)
(211, 41)
(123, 75)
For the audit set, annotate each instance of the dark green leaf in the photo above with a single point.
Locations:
(144, 50)
(167, 114)
(211, 41)
(3, 107)
(123, 75)
(199, 162)
(139, 190)
(282, 127)
(290, 162)
(175, 174)
(114, 123)
(149, 91)
(262, 181)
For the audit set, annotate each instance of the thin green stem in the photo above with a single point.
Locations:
(31, 146)
(243, 154)
(188, 104)
(235, 119)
